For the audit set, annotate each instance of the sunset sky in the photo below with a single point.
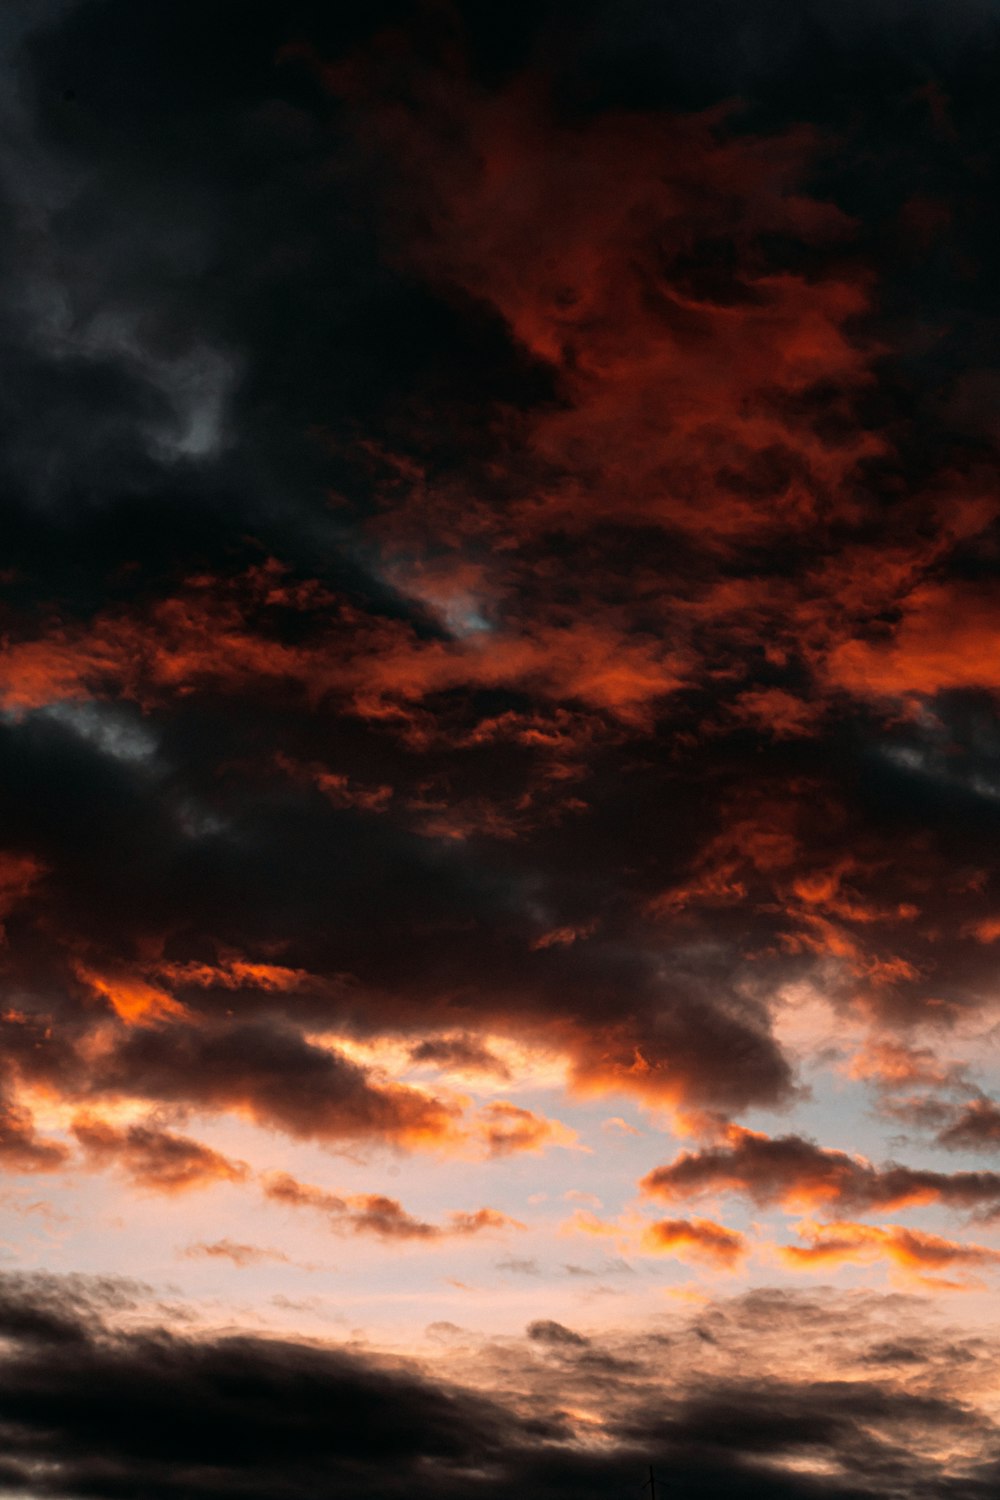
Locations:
(500, 749)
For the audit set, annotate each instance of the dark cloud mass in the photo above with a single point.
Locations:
(500, 561)
(91, 1406)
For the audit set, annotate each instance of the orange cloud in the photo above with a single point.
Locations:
(729, 865)
(340, 789)
(240, 1255)
(840, 1243)
(155, 1159)
(21, 1148)
(205, 640)
(985, 931)
(564, 936)
(780, 713)
(797, 1173)
(506, 1129)
(236, 974)
(375, 1214)
(134, 1001)
(275, 1076)
(701, 1238)
(891, 1063)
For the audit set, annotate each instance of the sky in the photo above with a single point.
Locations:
(499, 750)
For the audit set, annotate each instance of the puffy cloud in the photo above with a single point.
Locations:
(946, 639)
(546, 1331)
(700, 1238)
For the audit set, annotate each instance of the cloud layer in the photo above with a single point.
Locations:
(498, 688)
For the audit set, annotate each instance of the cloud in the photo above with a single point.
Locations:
(911, 1249)
(506, 1129)
(154, 1159)
(975, 1127)
(19, 874)
(461, 1053)
(500, 536)
(92, 1400)
(231, 1250)
(545, 1331)
(21, 1148)
(279, 1078)
(946, 639)
(139, 1410)
(700, 1238)
(375, 1214)
(796, 1173)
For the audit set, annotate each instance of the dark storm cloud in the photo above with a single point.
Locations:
(499, 538)
(169, 1416)
(88, 1405)
(472, 515)
(284, 866)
